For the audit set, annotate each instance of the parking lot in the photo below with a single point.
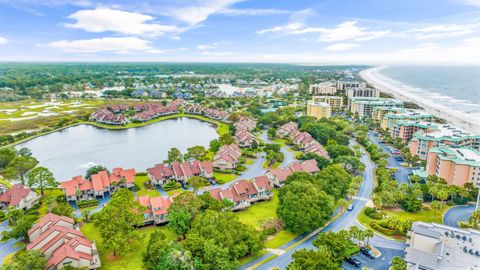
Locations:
(383, 262)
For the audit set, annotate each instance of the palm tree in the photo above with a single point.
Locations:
(49, 200)
(369, 233)
(343, 203)
(85, 214)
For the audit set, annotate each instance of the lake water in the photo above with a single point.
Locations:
(72, 151)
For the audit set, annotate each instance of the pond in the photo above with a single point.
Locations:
(72, 151)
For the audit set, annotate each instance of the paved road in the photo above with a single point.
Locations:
(346, 220)
(383, 262)
(289, 156)
(7, 247)
(402, 175)
(458, 213)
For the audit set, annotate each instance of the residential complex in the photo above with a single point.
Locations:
(432, 246)
(324, 88)
(243, 193)
(161, 174)
(227, 157)
(424, 140)
(302, 140)
(156, 209)
(319, 109)
(102, 183)
(406, 129)
(352, 93)
(277, 177)
(364, 106)
(391, 118)
(457, 166)
(62, 243)
(243, 136)
(349, 84)
(18, 196)
(336, 102)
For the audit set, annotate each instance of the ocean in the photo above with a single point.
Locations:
(456, 87)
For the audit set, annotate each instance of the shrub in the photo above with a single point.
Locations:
(171, 185)
(373, 213)
(141, 173)
(375, 225)
(89, 203)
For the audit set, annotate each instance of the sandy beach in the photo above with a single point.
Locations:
(458, 118)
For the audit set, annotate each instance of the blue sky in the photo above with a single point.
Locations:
(300, 31)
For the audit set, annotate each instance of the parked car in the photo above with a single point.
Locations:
(350, 207)
(367, 252)
(353, 261)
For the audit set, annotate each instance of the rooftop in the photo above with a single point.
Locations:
(459, 155)
(377, 101)
(318, 104)
(446, 132)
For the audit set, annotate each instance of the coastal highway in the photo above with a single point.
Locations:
(391, 248)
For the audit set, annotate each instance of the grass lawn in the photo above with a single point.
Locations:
(132, 260)
(261, 211)
(281, 142)
(47, 192)
(250, 161)
(280, 239)
(222, 178)
(252, 257)
(5, 182)
(422, 215)
(139, 181)
(174, 191)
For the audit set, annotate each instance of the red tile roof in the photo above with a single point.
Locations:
(14, 195)
(49, 219)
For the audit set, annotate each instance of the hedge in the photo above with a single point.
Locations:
(89, 203)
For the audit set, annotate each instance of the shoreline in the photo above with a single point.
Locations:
(218, 125)
(454, 117)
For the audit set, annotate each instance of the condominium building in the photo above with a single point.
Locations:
(392, 117)
(457, 165)
(431, 246)
(379, 113)
(324, 88)
(360, 92)
(319, 109)
(349, 84)
(335, 102)
(405, 129)
(424, 140)
(364, 106)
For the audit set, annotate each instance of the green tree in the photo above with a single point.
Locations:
(94, 170)
(19, 167)
(271, 133)
(31, 260)
(436, 206)
(196, 182)
(63, 209)
(309, 259)
(339, 150)
(214, 145)
(49, 200)
(41, 177)
(398, 263)
(219, 239)
(337, 244)
(19, 224)
(174, 155)
(155, 247)
(343, 204)
(226, 139)
(86, 215)
(116, 221)
(196, 153)
(179, 220)
(303, 207)
(7, 154)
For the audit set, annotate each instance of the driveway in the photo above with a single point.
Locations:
(402, 174)
(383, 262)
(346, 220)
(7, 247)
(458, 213)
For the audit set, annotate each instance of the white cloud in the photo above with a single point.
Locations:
(345, 31)
(200, 10)
(442, 31)
(252, 12)
(3, 41)
(340, 47)
(118, 21)
(205, 47)
(471, 2)
(348, 31)
(473, 41)
(108, 44)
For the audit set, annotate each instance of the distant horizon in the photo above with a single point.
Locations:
(441, 32)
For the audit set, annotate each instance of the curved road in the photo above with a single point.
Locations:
(388, 247)
(457, 213)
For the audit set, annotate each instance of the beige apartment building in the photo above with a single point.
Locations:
(319, 109)
(335, 102)
(324, 88)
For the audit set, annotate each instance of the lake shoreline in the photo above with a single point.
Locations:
(128, 126)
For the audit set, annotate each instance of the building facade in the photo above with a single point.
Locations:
(325, 88)
(365, 106)
(319, 109)
(336, 102)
